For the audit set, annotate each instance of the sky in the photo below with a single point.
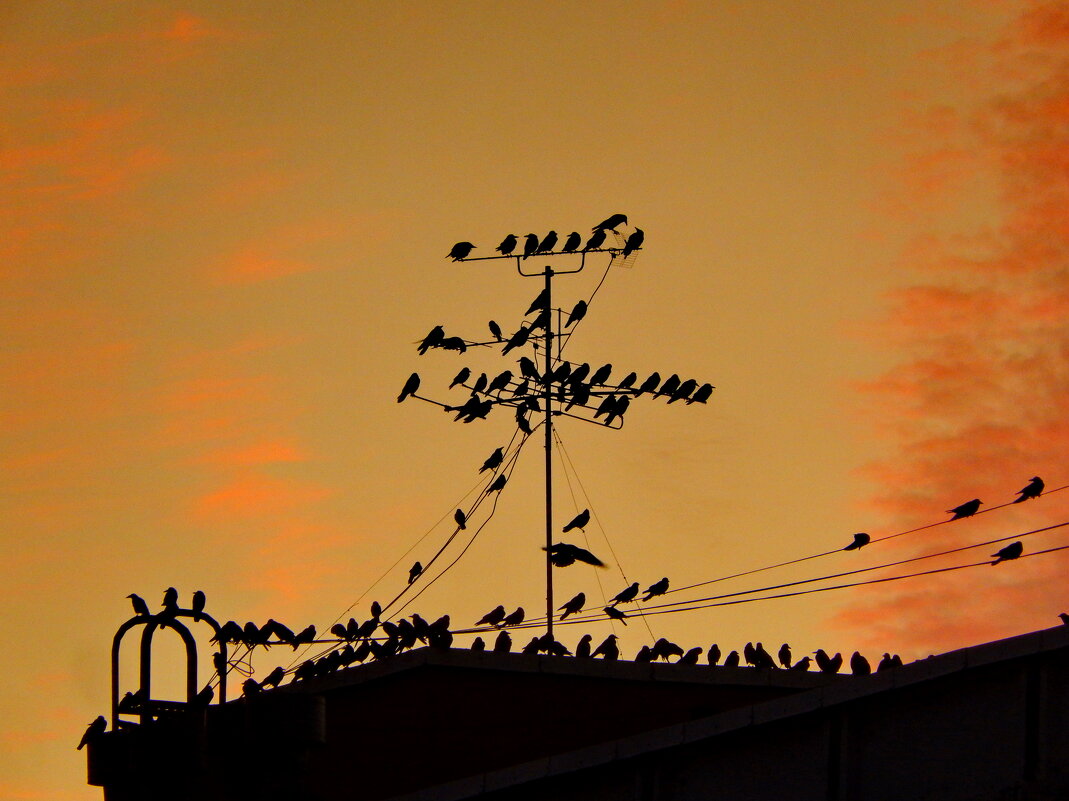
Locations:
(223, 230)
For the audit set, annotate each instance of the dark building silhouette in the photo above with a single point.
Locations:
(982, 723)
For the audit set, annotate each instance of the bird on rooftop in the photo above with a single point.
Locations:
(1064, 618)
(414, 572)
(634, 242)
(824, 662)
(784, 655)
(574, 606)
(478, 644)
(732, 659)
(548, 243)
(801, 665)
(508, 244)
(608, 649)
(461, 519)
(1033, 489)
(140, 607)
(663, 648)
(701, 394)
(611, 223)
(411, 385)
(513, 618)
(1011, 551)
(493, 460)
(530, 245)
(645, 654)
(861, 539)
(657, 588)
(197, 607)
(577, 313)
(531, 647)
(432, 340)
(460, 251)
(859, 665)
(93, 730)
(967, 509)
(563, 554)
(572, 242)
(713, 654)
(763, 658)
(886, 663)
(615, 614)
(579, 521)
(596, 240)
(503, 643)
(749, 654)
(461, 377)
(250, 687)
(582, 648)
(627, 595)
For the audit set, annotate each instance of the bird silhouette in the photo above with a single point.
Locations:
(627, 381)
(690, 657)
(859, 665)
(601, 375)
(886, 663)
(170, 599)
(563, 554)
(493, 460)
(1033, 489)
(596, 240)
(617, 409)
(579, 521)
(650, 384)
(615, 614)
(530, 245)
(627, 595)
(582, 648)
(528, 369)
(657, 588)
(532, 647)
(522, 422)
(713, 654)
(732, 659)
(517, 340)
(634, 242)
(572, 242)
(197, 607)
(93, 730)
(508, 244)
(498, 484)
(140, 607)
(861, 539)
(461, 519)
(611, 223)
(478, 644)
(762, 658)
(503, 643)
(453, 343)
(411, 385)
(501, 380)
(461, 377)
(513, 618)
(1064, 618)
(548, 243)
(250, 687)
(577, 313)
(480, 383)
(1011, 551)
(608, 649)
(749, 654)
(967, 509)
(801, 665)
(670, 385)
(701, 394)
(460, 251)
(825, 663)
(414, 572)
(579, 373)
(432, 340)
(645, 654)
(784, 655)
(683, 391)
(274, 677)
(574, 606)
(539, 303)
(663, 648)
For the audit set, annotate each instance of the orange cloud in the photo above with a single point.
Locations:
(256, 496)
(261, 453)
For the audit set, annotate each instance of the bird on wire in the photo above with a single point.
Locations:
(572, 242)
(657, 588)
(601, 375)
(611, 223)
(508, 244)
(530, 245)
(548, 243)
(415, 572)
(493, 460)
(626, 595)
(1011, 551)
(493, 617)
(701, 394)
(861, 539)
(513, 618)
(140, 607)
(577, 313)
(461, 377)
(433, 339)
(579, 521)
(517, 340)
(410, 387)
(274, 677)
(461, 519)
(616, 614)
(1033, 490)
(574, 606)
(563, 554)
(461, 251)
(596, 240)
(650, 384)
(967, 509)
(499, 483)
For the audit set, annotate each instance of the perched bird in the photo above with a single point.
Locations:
(859, 665)
(513, 618)
(690, 657)
(650, 384)
(532, 647)
(572, 242)
(701, 394)
(763, 659)
(480, 383)
(670, 385)
(579, 521)
(461, 519)
(305, 636)
(517, 340)
(508, 244)
(493, 460)
(615, 614)
(478, 644)
(596, 240)
(967, 509)
(539, 303)
(453, 343)
(411, 385)
(886, 663)
(634, 242)
(825, 663)
(861, 539)
(140, 607)
(608, 649)
(645, 654)
(461, 250)
(784, 655)
(732, 659)
(528, 368)
(657, 588)
(530, 245)
(522, 422)
(617, 409)
(582, 648)
(499, 484)
(503, 643)
(627, 381)
(713, 654)
(461, 377)
(663, 648)
(274, 677)
(1011, 551)
(801, 665)
(548, 243)
(432, 340)
(749, 654)
(577, 313)
(563, 554)
(93, 730)
(601, 375)
(1064, 618)
(414, 572)
(627, 595)
(197, 607)
(1033, 490)
(683, 390)
(250, 687)
(612, 223)
(579, 373)
(501, 380)
(574, 606)
(170, 598)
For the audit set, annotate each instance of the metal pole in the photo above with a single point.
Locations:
(549, 452)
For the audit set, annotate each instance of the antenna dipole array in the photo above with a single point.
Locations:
(547, 385)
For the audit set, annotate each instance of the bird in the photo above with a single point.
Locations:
(528, 369)
(274, 677)
(414, 572)
(522, 422)
(861, 539)
(574, 606)
(628, 380)
(461, 377)
(508, 244)
(732, 659)
(1011, 551)
(784, 655)
(170, 599)
(140, 607)
(93, 730)
(886, 663)
(501, 380)
(530, 245)
(432, 340)
(634, 242)
(572, 242)
(690, 657)
(670, 385)
(967, 509)
(762, 658)
(579, 373)
(701, 394)
(650, 384)
(517, 340)
(596, 240)
(532, 647)
(611, 223)
(197, 607)
(579, 521)
(503, 643)
(493, 460)
(801, 665)
(582, 648)
(657, 588)
(513, 618)
(608, 648)
(411, 385)
(663, 648)
(250, 687)
(539, 303)
(1064, 618)
(548, 243)
(453, 343)
(626, 595)
(645, 654)
(601, 375)
(615, 614)
(749, 654)
(683, 391)
(1033, 489)
(493, 617)
(826, 663)
(563, 554)
(461, 519)
(621, 405)
(480, 383)
(478, 644)
(499, 483)
(577, 313)
(713, 654)
(460, 251)
(859, 665)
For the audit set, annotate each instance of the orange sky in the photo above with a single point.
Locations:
(223, 229)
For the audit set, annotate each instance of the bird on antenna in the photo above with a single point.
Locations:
(596, 240)
(548, 243)
(611, 223)
(634, 242)
(460, 251)
(410, 387)
(508, 244)
(530, 245)
(578, 313)
(572, 242)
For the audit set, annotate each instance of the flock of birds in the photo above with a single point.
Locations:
(534, 245)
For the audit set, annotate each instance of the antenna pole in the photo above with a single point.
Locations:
(549, 452)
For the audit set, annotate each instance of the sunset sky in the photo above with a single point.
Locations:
(223, 228)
